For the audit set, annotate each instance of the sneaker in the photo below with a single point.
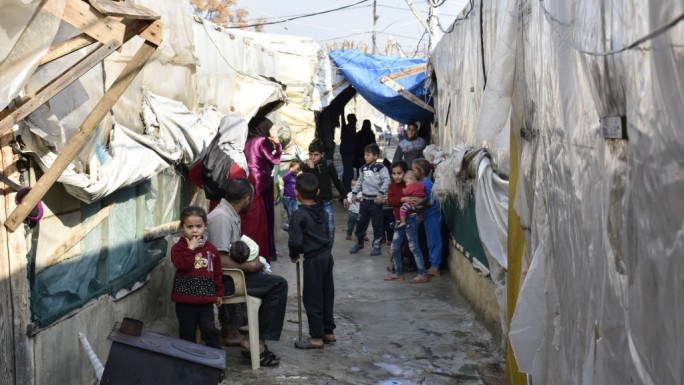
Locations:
(355, 249)
(376, 251)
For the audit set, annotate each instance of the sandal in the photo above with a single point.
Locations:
(329, 340)
(268, 358)
(394, 278)
(306, 344)
(420, 279)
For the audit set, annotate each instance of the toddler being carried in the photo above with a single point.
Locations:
(416, 189)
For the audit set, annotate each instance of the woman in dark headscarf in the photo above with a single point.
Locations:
(364, 137)
(263, 151)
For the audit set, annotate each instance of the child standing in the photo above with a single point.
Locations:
(326, 173)
(309, 235)
(198, 282)
(373, 181)
(396, 199)
(414, 188)
(353, 212)
(289, 200)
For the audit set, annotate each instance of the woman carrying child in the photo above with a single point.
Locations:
(198, 282)
(396, 199)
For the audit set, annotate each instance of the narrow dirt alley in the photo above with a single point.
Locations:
(387, 332)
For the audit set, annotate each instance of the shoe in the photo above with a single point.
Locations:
(306, 344)
(285, 227)
(420, 279)
(355, 249)
(434, 272)
(349, 237)
(365, 238)
(394, 278)
(376, 251)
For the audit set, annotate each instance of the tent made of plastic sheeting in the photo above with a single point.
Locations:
(596, 153)
(366, 74)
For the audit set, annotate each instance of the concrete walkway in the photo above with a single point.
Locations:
(387, 332)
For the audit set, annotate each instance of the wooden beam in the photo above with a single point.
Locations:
(126, 10)
(87, 19)
(79, 233)
(6, 309)
(406, 93)
(58, 84)
(17, 248)
(80, 137)
(66, 47)
(408, 72)
(161, 230)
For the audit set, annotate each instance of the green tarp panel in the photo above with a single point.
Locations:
(113, 255)
(463, 228)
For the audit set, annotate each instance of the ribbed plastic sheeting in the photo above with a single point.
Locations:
(605, 233)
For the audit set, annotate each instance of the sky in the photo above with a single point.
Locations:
(354, 23)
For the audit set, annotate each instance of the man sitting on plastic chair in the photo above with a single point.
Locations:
(224, 229)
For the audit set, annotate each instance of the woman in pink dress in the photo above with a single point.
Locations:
(263, 151)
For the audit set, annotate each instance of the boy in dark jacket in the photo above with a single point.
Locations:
(326, 173)
(309, 235)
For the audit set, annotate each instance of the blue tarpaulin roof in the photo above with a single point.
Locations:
(363, 71)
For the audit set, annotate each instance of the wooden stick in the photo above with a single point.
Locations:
(66, 47)
(299, 302)
(76, 236)
(161, 230)
(19, 294)
(406, 93)
(58, 84)
(80, 137)
(408, 72)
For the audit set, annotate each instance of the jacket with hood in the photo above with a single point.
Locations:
(309, 233)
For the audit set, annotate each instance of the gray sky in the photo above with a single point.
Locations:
(355, 23)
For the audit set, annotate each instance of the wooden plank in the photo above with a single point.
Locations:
(161, 230)
(87, 19)
(58, 84)
(66, 47)
(129, 11)
(151, 32)
(6, 311)
(406, 93)
(17, 248)
(79, 233)
(80, 137)
(408, 72)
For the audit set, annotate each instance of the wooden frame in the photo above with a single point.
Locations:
(109, 24)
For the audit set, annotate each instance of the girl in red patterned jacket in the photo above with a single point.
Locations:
(198, 282)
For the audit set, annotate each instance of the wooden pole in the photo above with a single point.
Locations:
(299, 302)
(76, 142)
(375, 19)
(17, 276)
(58, 84)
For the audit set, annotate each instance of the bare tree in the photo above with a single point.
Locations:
(225, 12)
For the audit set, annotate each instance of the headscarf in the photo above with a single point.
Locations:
(259, 126)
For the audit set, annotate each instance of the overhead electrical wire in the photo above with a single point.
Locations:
(629, 46)
(300, 16)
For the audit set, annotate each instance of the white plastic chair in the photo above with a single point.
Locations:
(253, 304)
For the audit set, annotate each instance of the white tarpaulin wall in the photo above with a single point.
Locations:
(602, 217)
(200, 72)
